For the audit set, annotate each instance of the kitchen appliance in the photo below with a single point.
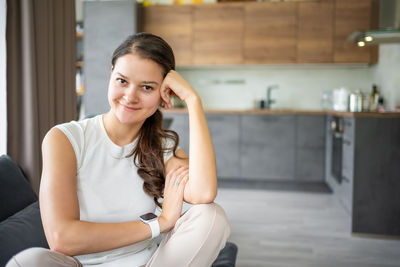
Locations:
(389, 26)
(340, 99)
(326, 100)
(337, 142)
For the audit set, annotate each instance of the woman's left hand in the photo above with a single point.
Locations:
(175, 84)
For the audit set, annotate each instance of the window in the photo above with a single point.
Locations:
(3, 90)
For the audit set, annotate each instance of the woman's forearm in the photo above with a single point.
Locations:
(202, 165)
(81, 237)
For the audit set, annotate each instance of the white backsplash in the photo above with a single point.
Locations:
(387, 74)
(301, 86)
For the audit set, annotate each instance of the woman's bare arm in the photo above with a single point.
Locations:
(59, 206)
(202, 184)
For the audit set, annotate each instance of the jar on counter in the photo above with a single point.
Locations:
(340, 99)
(356, 101)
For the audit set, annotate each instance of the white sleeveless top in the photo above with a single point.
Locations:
(109, 189)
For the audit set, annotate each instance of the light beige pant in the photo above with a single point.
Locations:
(196, 240)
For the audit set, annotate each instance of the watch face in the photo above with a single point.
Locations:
(148, 216)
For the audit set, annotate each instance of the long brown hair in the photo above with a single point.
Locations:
(151, 146)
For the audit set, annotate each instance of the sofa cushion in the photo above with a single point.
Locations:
(227, 256)
(20, 231)
(15, 191)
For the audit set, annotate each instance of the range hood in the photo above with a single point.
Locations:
(389, 26)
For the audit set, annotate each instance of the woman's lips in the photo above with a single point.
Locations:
(129, 108)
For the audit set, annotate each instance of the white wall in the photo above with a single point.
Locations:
(301, 86)
(3, 95)
(387, 74)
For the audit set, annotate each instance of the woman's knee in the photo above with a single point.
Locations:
(41, 257)
(211, 215)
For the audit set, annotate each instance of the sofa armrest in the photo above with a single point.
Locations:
(15, 191)
(21, 231)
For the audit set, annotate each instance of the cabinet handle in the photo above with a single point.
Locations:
(269, 118)
(348, 123)
(346, 142)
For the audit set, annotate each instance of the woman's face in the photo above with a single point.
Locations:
(134, 88)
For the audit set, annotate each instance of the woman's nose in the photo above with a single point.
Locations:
(131, 95)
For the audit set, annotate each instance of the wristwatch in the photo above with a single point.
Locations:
(152, 220)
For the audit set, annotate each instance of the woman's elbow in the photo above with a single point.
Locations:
(205, 197)
(58, 241)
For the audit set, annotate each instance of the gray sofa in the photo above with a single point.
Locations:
(20, 222)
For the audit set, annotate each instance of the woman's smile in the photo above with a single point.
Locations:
(128, 108)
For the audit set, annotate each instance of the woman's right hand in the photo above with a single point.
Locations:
(175, 182)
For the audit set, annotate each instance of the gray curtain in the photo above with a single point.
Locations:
(41, 56)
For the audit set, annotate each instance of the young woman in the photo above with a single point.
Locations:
(101, 175)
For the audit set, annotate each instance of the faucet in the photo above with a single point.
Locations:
(270, 101)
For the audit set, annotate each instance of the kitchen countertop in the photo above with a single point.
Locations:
(292, 111)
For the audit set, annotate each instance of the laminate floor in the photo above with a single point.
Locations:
(288, 228)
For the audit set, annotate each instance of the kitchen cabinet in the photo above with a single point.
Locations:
(353, 15)
(270, 32)
(315, 32)
(376, 168)
(263, 147)
(267, 147)
(180, 124)
(217, 34)
(310, 148)
(174, 24)
(265, 32)
(369, 184)
(224, 130)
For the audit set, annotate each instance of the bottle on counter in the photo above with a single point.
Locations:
(381, 104)
(374, 98)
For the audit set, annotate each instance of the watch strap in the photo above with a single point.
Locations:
(155, 228)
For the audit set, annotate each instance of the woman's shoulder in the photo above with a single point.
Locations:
(78, 128)
(78, 133)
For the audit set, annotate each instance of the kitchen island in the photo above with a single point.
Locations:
(299, 146)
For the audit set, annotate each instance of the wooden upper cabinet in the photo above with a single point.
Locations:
(307, 31)
(270, 32)
(350, 16)
(315, 32)
(217, 34)
(174, 25)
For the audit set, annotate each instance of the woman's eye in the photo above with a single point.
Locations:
(147, 88)
(121, 81)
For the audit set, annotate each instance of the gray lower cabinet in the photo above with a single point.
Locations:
(370, 179)
(180, 124)
(310, 148)
(267, 147)
(224, 130)
(376, 198)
